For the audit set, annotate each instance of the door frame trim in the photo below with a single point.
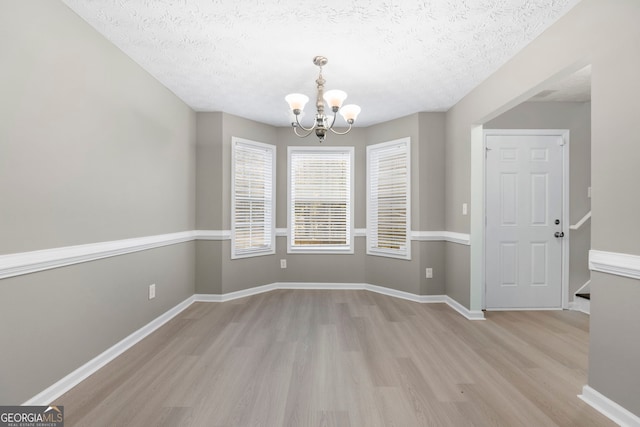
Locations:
(565, 135)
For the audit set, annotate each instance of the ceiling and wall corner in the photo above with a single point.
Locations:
(575, 88)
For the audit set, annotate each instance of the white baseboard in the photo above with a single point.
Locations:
(526, 309)
(234, 295)
(207, 298)
(394, 293)
(424, 299)
(609, 408)
(469, 314)
(320, 286)
(74, 378)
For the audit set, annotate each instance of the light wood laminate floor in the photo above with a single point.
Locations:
(344, 358)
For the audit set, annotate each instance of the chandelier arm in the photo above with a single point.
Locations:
(302, 127)
(333, 122)
(295, 130)
(340, 133)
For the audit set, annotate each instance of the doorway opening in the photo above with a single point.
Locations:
(548, 97)
(526, 226)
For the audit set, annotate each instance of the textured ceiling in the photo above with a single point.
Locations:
(393, 57)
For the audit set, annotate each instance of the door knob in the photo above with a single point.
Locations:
(559, 234)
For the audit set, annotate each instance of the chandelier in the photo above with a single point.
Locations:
(322, 123)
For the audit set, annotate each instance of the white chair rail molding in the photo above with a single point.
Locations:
(17, 264)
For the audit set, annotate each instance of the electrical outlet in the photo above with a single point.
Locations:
(283, 263)
(152, 291)
(464, 209)
(429, 273)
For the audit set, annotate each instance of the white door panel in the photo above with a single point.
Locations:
(524, 201)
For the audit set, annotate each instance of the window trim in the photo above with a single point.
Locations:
(389, 253)
(271, 149)
(346, 249)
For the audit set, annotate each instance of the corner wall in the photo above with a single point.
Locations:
(604, 33)
(217, 273)
(92, 149)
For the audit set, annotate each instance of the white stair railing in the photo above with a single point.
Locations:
(581, 222)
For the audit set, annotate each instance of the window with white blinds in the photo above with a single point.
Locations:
(388, 199)
(320, 199)
(253, 193)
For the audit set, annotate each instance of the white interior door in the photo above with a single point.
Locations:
(524, 208)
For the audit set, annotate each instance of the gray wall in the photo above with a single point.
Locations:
(92, 149)
(402, 275)
(217, 273)
(457, 273)
(431, 188)
(431, 172)
(614, 347)
(209, 164)
(55, 321)
(84, 132)
(604, 33)
(321, 268)
(575, 116)
(427, 132)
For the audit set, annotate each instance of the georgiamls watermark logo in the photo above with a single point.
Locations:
(31, 416)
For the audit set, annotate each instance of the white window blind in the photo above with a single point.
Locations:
(320, 199)
(253, 193)
(388, 199)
